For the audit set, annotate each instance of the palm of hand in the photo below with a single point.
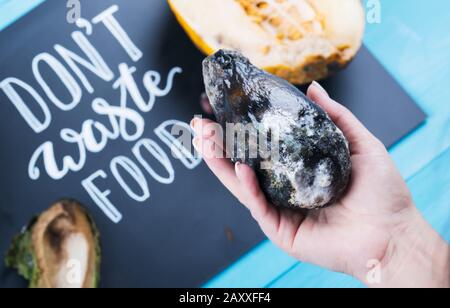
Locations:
(347, 236)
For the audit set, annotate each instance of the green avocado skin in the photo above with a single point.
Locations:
(98, 251)
(21, 254)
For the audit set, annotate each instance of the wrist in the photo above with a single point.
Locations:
(416, 256)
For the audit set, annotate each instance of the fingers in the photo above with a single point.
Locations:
(209, 145)
(361, 140)
(280, 226)
(205, 104)
(239, 179)
(255, 200)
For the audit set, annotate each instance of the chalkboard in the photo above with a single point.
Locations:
(175, 225)
(375, 98)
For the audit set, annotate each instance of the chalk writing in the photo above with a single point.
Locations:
(111, 23)
(110, 122)
(180, 145)
(37, 125)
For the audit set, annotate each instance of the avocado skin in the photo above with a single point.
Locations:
(21, 254)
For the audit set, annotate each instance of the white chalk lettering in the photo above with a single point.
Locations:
(86, 140)
(63, 74)
(101, 197)
(152, 80)
(37, 125)
(122, 118)
(111, 23)
(155, 150)
(179, 150)
(126, 115)
(46, 151)
(96, 63)
(91, 143)
(127, 85)
(133, 170)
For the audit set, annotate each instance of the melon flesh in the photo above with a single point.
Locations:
(293, 36)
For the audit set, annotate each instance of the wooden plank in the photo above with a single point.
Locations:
(425, 144)
(305, 275)
(413, 43)
(431, 192)
(255, 269)
(11, 10)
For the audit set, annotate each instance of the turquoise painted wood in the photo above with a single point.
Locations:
(413, 43)
(11, 10)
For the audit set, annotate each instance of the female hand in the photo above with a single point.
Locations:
(374, 225)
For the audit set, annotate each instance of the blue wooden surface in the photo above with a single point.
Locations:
(11, 10)
(413, 43)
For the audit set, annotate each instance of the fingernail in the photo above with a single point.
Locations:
(193, 122)
(319, 87)
(196, 143)
(205, 104)
(237, 167)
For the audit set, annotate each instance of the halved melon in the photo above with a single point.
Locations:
(298, 40)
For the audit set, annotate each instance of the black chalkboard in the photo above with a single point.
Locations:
(186, 231)
(375, 98)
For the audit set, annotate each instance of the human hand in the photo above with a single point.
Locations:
(374, 224)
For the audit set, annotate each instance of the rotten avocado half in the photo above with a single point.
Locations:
(59, 249)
